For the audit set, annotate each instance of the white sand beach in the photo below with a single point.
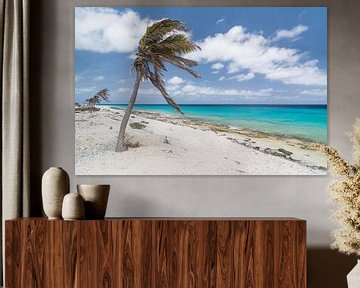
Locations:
(170, 145)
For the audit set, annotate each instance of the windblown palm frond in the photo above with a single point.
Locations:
(175, 44)
(164, 42)
(159, 30)
(103, 94)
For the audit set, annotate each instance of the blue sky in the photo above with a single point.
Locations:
(249, 55)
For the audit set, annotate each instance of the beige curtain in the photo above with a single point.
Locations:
(14, 27)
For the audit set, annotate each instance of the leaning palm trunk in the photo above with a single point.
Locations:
(121, 145)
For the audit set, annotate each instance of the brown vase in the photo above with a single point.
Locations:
(55, 185)
(96, 198)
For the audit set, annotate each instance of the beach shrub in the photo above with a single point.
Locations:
(131, 143)
(345, 192)
(86, 109)
(137, 125)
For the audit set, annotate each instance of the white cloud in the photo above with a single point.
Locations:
(314, 92)
(85, 89)
(173, 88)
(241, 50)
(217, 66)
(191, 89)
(148, 91)
(243, 77)
(99, 78)
(107, 30)
(289, 34)
(176, 80)
(222, 78)
(305, 75)
(220, 20)
(122, 89)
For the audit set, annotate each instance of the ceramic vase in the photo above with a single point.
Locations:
(55, 185)
(96, 198)
(73, 207)
(353, 278)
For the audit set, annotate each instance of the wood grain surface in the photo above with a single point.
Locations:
(242, 253)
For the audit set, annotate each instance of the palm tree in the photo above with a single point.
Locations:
(98, 97)
(164, 42)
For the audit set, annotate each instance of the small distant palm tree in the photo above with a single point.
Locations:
(164, 42)
(103, 94)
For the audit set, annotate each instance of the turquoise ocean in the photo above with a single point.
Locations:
(307, 122)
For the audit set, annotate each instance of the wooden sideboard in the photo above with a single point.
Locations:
(156, 252)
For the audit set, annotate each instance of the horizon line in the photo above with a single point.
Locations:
(247, 104)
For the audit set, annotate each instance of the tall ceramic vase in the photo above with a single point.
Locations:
(353, 278)
(55, 185)
(96, 198)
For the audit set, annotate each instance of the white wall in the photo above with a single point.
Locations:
(304, 197)
(52, 136)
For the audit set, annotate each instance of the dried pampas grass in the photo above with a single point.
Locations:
(345, 191)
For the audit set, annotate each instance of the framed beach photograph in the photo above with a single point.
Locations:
(200, 90)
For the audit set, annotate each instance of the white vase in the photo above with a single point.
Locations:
(96, 198)
(73, 207)
(353, 278)
(55, 185)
